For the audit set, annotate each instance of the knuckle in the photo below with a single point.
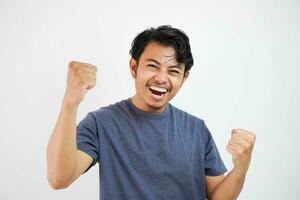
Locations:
(93, 74)
(72, 63)
(92, 81)
(248, 144)
(94, 67)
(252, 137)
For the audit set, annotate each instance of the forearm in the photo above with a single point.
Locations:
(62, 151)
(231, 185)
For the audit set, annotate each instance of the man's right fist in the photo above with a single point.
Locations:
(81, 78)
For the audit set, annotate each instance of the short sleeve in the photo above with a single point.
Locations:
(87, 138)
(214, 165)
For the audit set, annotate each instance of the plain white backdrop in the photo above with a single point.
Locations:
(246, 75)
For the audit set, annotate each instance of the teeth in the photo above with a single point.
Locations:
(158, 89)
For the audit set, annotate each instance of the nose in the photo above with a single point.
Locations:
(161, 77)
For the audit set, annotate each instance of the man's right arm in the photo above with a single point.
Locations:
(65, 163)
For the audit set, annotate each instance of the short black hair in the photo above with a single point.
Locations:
(164, 35)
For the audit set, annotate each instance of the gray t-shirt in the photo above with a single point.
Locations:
(144, 156)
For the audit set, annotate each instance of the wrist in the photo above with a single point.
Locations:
(241, 170)
(70, 99)
(70, 104)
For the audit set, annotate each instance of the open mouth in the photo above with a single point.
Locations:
(159, 91)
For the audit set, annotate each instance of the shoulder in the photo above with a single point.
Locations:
(186, 117)
(190, 124)
(106, 113)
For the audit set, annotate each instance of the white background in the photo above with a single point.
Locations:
(246, 75)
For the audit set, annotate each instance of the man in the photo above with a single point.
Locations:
(146, 147)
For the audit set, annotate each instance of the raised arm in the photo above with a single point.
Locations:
(65, 163)
(240, 147)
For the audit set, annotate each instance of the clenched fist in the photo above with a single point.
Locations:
(240, 146)
(81, 78)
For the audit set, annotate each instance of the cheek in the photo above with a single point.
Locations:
(144, 76)
(176, 82)
(141, 80)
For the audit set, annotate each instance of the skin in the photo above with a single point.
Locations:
(158, 67)
(65, 163)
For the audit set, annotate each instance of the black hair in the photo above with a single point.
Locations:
(164, 35)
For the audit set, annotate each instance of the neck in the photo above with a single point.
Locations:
(140, 104)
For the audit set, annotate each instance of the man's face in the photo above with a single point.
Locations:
(158, 77)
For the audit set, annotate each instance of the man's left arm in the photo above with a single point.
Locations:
(228, 187)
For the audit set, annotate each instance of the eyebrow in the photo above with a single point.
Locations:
(172, 66)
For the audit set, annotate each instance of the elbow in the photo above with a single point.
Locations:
(57, 183)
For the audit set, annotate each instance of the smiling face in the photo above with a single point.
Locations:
(158, 77)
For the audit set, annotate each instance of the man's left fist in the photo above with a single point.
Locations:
(240, 146)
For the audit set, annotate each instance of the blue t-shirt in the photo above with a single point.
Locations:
(144, 156)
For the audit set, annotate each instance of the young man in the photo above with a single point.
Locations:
(146, 148)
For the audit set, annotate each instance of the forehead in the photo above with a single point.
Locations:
(159, 52)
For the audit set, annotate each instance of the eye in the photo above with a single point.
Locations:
(175, 72)
(151, 65)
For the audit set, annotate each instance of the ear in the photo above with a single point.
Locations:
(185, 76)
(133, 67)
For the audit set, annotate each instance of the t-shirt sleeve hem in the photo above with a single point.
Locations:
(216, 173)
(94, 156)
